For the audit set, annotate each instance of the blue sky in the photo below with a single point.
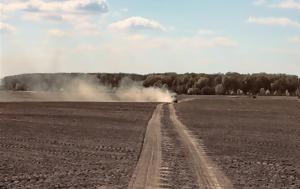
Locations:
(139, 36)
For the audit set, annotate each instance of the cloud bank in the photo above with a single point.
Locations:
(287, 4)
(79, 13)
(295, 40)
(275, 21)
(283, 4)
(57, 33)
(71, 7)
(137, 23)
(6, 28)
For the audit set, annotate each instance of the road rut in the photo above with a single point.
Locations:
(207, 174)
(148, 170)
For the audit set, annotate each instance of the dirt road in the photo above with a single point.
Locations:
(146, 174)
(207, 174)
(161, 157)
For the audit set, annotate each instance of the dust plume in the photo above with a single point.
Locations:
(128, 91)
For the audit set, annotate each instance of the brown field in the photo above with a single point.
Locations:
(256, 142)
(70, 145)
(208, 142)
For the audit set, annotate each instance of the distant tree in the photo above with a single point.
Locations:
(207, 91)
(201, 82)
(151, 80)
(240, 92)
(158, 84)
(248, 83)
(188, 83)
(297, 92)
(291, 83)
(180, 89)
(281, 84)
(193, 91)
(218, 80)
(219, 89)
(19, 87)
(232, 81)
(261, 82)
(275, 86)
(232, 92)
(262, 92)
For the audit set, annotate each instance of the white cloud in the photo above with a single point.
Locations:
(260, 2)
(288, 4)
(62, 10)
(87, 28)
(82, 15)
(284, 4)
(139, 44)
(57, 33)
(85, 48)
(136, 37)
(194, 42)
(279, 51)
(137, 23)
(83, 25)
(12, 6)
(65, 6)
(223, 42)
(40, 16)
(205, 32)
(295, 39)
(273, 21)
(6, 28)
(124, 10)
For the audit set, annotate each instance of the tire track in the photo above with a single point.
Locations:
(147, 171)
(207, 174)
(175, 170)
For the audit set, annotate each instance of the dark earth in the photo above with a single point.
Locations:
(70, 145)
(256, 142)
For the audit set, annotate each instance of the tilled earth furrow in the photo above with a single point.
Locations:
(66, 152)
(255, 150)
(175, 170)
(82, 178)
(108, 148)
(97, 150)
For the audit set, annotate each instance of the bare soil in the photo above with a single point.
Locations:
(207, 173)
(176, 170)
(70, 145)
(256, 142)
(253, 142)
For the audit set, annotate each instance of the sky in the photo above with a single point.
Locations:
(149, 36)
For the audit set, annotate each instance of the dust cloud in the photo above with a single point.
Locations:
(128, 91)
(90, 90)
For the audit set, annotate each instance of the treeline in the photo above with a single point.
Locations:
(58, 81)
(229, 83)
(189, 83)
